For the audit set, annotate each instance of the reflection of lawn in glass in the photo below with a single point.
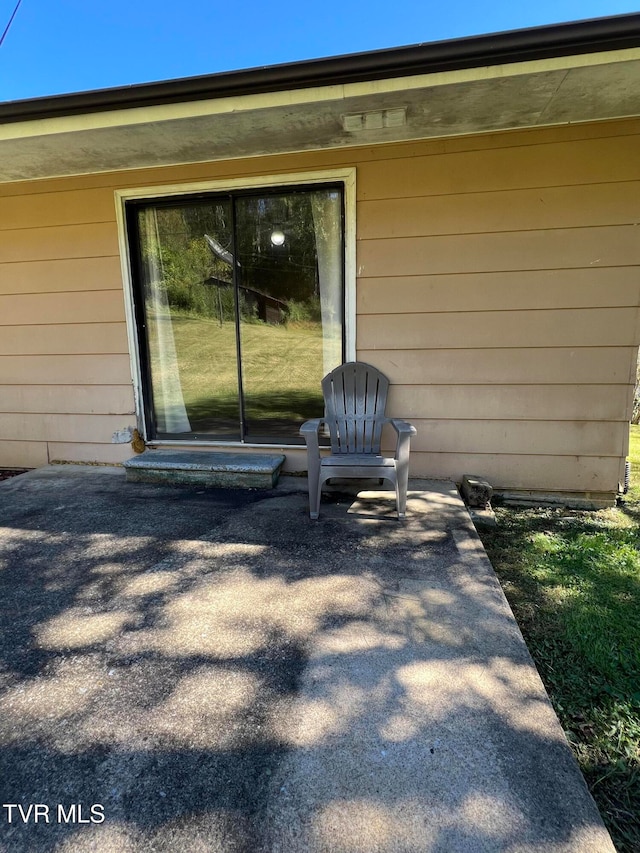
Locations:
(282, 373)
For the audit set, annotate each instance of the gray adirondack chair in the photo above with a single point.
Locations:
(355, 396)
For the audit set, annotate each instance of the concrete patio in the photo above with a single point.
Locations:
(212, 671)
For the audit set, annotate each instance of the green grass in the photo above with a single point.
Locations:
(282, 371)
(633, 495)
(573, 581)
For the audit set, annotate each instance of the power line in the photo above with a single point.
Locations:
(6, 29)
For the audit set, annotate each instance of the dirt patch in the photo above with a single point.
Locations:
(5, 473)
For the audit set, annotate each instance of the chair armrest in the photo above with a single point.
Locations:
(311, 427)
(402, 427)
(310, 431)
(404, 430)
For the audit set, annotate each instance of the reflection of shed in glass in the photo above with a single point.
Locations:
(257, 304)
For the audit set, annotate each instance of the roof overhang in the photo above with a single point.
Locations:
(581, 72)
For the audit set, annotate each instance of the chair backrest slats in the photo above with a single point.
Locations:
(355, 396)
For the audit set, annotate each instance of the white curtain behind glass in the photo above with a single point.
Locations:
(327, 221)
(170, 411)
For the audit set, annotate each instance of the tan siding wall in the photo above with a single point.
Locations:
(60, 276)
(65, 377)
(498, 286)
(41, 309)
(64, 338)
(23, 454)
(530, 366)
(66, 399)
(462, 329)
(499, 289)
(520, 289)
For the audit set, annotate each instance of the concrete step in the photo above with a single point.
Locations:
(204, 468)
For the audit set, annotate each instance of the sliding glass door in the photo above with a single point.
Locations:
(239, 305)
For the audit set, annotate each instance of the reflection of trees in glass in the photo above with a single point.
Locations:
(184, 258)
(199, 282)
(290, 271)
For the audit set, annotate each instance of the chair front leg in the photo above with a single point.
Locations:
(309, 431)
(404, 431)
(402, 484)
(315, 496)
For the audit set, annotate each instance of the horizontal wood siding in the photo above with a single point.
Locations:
(38, 309)
(511, 290)
(52, 209)
(65, 373)
(97, 240)
(64, 339)
(513, 402)
(67, 399)
(498, 285)
(548, 161)
(23, 454)
(60, 275)
(492, 436)
(94, 370)
(521, 250)
(98, 451)
(513, 210)
(499, 290)
(589, 327)
(60, 427)
(585, 366)
(525, 472)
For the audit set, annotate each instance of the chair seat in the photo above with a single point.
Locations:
(360, 459)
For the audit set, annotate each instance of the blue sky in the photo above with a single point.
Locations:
(76, 45)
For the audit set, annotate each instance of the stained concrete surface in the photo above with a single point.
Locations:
(212, 671)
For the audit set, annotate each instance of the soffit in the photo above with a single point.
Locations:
(557, 91)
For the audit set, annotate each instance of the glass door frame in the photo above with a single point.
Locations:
(344, 178)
